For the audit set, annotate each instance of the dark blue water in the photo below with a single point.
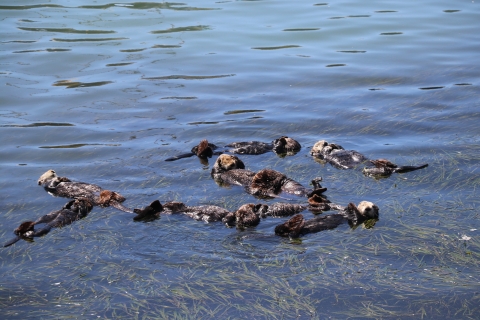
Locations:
(104, 92)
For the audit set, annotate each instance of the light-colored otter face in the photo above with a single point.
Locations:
(47, 176)
(318, 147)
(227, 162)
(368, 210)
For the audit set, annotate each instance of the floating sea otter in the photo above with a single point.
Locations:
(207, 213)
(74, 210)
(64, 187)
(281, 146)
(349, 159)
(298, 226)
(230, 169)
(149, 213)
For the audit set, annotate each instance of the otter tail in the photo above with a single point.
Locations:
(180, 156)
(12, 241)
(404, 169)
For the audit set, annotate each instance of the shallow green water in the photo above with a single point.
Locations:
(104, 92)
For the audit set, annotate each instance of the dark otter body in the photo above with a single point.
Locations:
(203, 150)
(207, 213)
(282, 146)
(298, 226)
(64, 187)
(265, 183)
(349, 159)
(74, 210)
(149, 213)
(248, 215)
(384, 168)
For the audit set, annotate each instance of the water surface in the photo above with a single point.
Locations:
(103, 92)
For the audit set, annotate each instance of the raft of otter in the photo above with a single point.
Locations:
(229, 170)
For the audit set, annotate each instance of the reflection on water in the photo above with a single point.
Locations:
(395, 80)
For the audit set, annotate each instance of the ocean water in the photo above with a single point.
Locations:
(104, 92)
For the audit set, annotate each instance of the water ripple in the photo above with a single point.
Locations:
(185, 77)
(179, 98)
(390, 33)
(181, 29)
(352, 51)
(302, 29)
(31, 7)
(148, 5)
(41, 50)
(276, 48)
(68, 30)
(166, 46)
(39, 124)
(241, 111)
(78, 145)
(87, 39)
(74, 84)
(431, 88)
(120, 64)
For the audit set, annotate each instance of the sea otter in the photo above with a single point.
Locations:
(203, 150)
(74, 210)
(149, 213)
(336, 155)
(248, 215)
(298, 226)
(385, 168)
(265, 183)
(318, 204)
(349, 159)
(282, 146)
(64, 187)
(207, 213)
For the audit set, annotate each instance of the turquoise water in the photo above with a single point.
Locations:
(104, 92)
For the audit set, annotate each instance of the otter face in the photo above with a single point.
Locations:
(47, 176)
(246, 216)
(383, 163)
(107, 196)
(267, 182)
(291, 228)
(227, 162)
(203, 150)
(318, 147)
(368, 210)
(286, 145)
(25, 229)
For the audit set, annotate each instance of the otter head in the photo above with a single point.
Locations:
(319, 148)
(286, 145)
(368, 210)
(317, 200)
(247, 216)
(25, 229)
(383, 163)
(292, 227)
(267, 182)
(226, 162)
(46, 177)
(107, 196)
(203, 150)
